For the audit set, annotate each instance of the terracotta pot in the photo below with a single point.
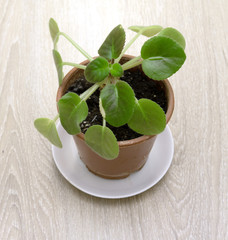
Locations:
(133, 153)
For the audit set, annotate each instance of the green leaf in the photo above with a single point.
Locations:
(174, 34)
(147, 31)
(118, 102)
(48, 129)
(72, 111)
(113, 44)
(54, 29)
(97, 70)
(102, 141)
(58, 64)
(116, 70)
(148, 118)
(162, 57)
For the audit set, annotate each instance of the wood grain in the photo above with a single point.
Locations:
(36, 202)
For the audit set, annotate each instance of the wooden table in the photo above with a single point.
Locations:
(36, 202)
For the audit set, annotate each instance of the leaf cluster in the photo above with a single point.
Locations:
(161, 56)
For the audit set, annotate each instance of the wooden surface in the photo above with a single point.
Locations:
(36, 202)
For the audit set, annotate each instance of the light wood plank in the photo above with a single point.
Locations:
(36, 202)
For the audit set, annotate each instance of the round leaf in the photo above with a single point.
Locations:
(72, 111)
(116, 70)
(97, 70)
(58, 64)
(148, 118)
(48, 129)
(102, 141)
(113, 44)
(162, 57)
(54, 29)
(118, 102)
(147, 31)
(174, 34)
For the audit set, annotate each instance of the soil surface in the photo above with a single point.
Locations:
(143, 88)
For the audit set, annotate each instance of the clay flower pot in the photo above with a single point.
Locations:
(133, 153)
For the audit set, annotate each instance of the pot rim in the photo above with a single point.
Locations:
(125, 143)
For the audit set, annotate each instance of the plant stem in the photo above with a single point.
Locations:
(135, 59)
(104, 122)
(84, 96)
(56, 117)
(132, 63)
(56, 41)
(74, 65)
(128, 45)
(74, 44)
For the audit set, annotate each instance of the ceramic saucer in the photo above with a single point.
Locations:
(72, 168)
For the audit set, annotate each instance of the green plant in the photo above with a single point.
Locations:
(161, 56)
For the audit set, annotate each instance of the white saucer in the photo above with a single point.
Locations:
(69, 164)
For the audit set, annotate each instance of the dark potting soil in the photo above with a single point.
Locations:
(143, 88)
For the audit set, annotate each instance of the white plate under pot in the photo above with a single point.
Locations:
(73, 169)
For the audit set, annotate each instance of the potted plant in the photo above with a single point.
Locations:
(116, 103)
